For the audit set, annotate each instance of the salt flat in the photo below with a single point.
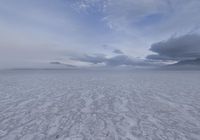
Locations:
(99, 105)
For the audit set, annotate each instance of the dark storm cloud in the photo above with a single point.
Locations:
(179, 48)
(119, 60)
(117, 51)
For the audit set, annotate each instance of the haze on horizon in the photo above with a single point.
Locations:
(98, 33)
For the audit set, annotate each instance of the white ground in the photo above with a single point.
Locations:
(75, 105)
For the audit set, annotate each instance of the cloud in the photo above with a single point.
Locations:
(144, 17)
(177, 48)
(118, 60)
(117, 51)
(60, 63)
(116, 14)
(94, 59)
(55, 63)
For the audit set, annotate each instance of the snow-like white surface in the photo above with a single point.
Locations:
(75, 105)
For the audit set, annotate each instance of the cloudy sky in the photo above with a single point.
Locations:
(98, 32)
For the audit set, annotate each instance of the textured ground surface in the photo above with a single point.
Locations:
(66, 105)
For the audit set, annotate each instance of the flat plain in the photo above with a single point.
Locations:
(99, 105)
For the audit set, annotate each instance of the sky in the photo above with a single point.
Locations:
(95, 33)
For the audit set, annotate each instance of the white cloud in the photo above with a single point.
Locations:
(123, 14)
